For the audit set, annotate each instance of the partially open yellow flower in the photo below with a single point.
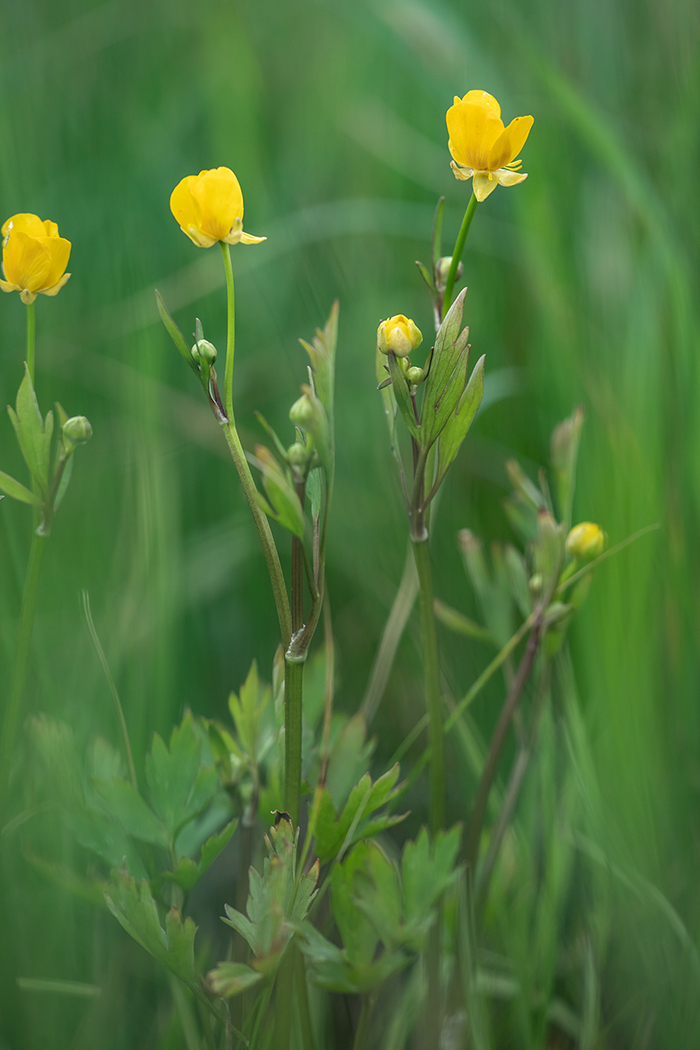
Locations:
(481, 146)
(34, 257)
(398, 335)
(209, 208)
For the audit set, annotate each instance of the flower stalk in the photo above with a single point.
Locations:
(457, 255)
(31, 339)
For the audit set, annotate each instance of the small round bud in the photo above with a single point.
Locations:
(398, 335)
(443, 269)
(77, 430)
(415, 375)
(204, 352)
(298, 454)
(585, 541)
(302, 412)
(536, 583)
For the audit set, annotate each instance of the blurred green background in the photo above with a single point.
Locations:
(582, 289)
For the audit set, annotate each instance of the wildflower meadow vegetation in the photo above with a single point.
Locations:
(348, 569)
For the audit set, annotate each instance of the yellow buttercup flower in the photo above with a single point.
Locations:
(585, 541)
(481, 146)
(399, 335)
(34, 257)
(209, 208)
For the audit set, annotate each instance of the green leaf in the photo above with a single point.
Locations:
(425, 274)
(427, 871)
(447, 375)
(564, 453)
(461, 624)
(247, 712)
(63, 483)
(377, 893)
(214, 845)
(175, 333)
(18, 491)
(230, 979)
(322, 354)
(124, 804)
(457, 426)
(33, 433)
(179, 787)
(285, 506)
(358, 933)
(402, 396)
(133, 907)
(365, 799)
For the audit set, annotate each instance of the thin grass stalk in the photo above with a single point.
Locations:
(476, 823)
(431, 671)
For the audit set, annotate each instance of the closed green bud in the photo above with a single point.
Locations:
(585, 541)
(204, 352)
(298, 454)
(302, 412)
(77, 430)
(443, 269)
(415, 375)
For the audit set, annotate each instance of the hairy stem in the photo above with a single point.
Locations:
(431, 670)
(293, 685)
(457, 254)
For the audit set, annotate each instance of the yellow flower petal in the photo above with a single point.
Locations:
(510, 142)
(485, 183)
(218, 196)
(473, 128)
(59, 253)
(26, 260)
(27, 222)
(483, 99)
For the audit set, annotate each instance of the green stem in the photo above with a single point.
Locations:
(307, 1033)
(14, 704)
(31, 340)
(363, 1024)
(230, 330)
(274, 568)
(284, 991)
(293, 683)
(431, 669)
(457, 254)
(471, 846)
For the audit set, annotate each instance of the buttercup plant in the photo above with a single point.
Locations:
(336, 906)
(34, 261)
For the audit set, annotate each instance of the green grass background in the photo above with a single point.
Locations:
(582, 289)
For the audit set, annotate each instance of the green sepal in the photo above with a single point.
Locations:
(401, 393)
(18, 491)
(175, 333)
(284, 505)
(134, 908)
(457, 426)
(425, 274)
(229, 979)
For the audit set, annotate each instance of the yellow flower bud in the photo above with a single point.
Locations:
(34, 257)
(209, 208)
(398, 335)
(585, 541)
